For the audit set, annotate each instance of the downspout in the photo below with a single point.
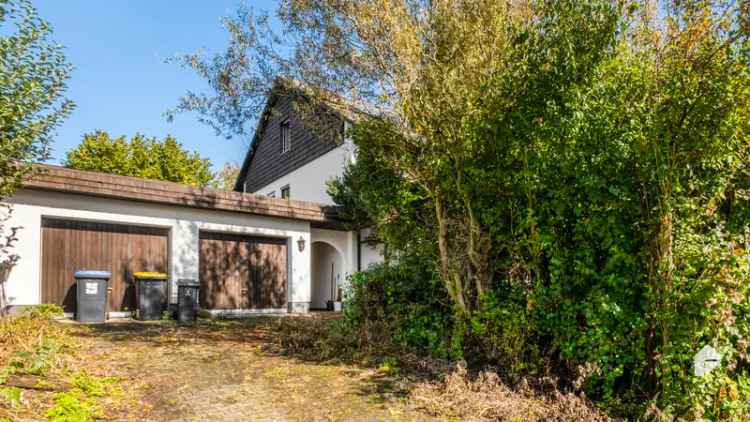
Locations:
(359, 250)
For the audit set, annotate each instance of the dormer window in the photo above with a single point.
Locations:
(286, 139)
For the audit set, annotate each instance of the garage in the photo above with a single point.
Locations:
(71, 245)
(240, 272)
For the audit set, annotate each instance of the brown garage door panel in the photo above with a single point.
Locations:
(68, 246)
(242, 272)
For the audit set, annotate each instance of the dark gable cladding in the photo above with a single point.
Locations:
(264, 161)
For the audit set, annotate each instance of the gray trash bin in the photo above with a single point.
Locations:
(187, 300)
(150, 295)
(91, 295)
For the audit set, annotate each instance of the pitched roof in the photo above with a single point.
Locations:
(272, 97)
(281, 85)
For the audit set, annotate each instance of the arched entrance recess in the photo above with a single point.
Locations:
(327, 274)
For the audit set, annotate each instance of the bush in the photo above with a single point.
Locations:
(404, 304)
(314, 338)
(505, 335)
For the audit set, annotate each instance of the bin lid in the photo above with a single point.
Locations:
(150, 275)
(94, 274)
(188, 282)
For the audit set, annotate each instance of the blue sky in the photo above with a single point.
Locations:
(121, 84)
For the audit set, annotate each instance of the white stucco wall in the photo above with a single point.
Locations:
(344, 242)
(184, 224)
(371, 254)
(308, 183)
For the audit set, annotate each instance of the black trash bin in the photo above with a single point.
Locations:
(187, 300)
(150, 295)
(91, 295)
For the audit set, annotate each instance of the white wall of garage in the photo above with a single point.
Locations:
(184, 224)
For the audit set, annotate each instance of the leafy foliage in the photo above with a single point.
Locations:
(81, 402)
(141, 157)
(575, 172)
(33, 76)
(605, 198)
(406, 301)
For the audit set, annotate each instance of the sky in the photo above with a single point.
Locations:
(120, 82)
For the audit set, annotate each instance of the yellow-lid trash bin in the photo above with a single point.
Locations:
(150, 295)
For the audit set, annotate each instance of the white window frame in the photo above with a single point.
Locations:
(285, 134)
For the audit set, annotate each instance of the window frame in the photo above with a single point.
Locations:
(287, 190)
(285, 129)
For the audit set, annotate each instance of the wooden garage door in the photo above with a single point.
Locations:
(68, 246)
(241, 272)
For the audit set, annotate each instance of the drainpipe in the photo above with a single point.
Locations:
(359, 250)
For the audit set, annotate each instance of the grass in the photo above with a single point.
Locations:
(444, 390)
(263, 368)
(43, 376)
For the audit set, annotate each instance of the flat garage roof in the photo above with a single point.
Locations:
(61, 179)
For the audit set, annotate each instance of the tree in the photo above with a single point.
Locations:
(420, 71)
(226, 177)
(141, 157)
(33, 76)
(583, 164)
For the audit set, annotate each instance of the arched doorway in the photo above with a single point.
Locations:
(327, 274)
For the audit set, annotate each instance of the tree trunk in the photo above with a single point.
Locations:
(452, 280)
(5, 268)
(479, 250)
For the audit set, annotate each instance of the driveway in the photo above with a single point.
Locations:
(225, 371)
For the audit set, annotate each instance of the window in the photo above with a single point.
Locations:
(285, 192)
(286, 139)
(271, 194)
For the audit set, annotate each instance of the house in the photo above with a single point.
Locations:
(252, 254)
(274, 245)
(293, 157)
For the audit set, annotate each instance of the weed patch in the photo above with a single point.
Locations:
(484, 396)
(42, 377)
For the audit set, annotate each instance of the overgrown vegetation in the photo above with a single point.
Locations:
(33, 77)
(38, 379)
(574, 174)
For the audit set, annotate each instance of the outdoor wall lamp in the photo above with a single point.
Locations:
(301, 243)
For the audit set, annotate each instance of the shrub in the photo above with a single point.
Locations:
(404, 304)
(505, 335)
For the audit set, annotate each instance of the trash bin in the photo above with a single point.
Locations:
(91, 295)
(150, 295)
(187, 300)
